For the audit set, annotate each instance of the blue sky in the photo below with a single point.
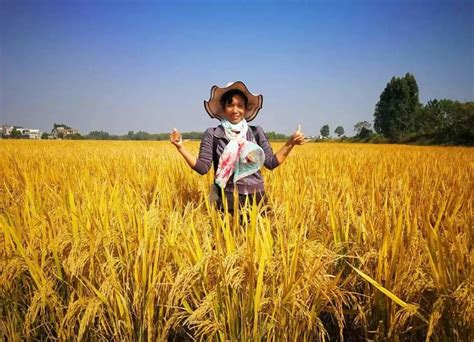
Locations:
(148, 65)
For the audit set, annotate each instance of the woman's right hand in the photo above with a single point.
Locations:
(176, 139)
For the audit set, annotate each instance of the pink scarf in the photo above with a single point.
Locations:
(240, 156)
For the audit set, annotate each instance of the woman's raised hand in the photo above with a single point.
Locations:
(176, 139)
(298, 137)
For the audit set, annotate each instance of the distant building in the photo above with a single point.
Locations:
(6, 129)
(25, 133)
(61, 132)
(29, 133)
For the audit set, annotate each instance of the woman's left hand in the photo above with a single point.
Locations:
(297, 138)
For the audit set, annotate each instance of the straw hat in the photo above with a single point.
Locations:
(214, 107)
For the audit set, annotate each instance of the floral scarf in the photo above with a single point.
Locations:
(240, 156)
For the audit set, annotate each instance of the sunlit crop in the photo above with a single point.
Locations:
(117, 241)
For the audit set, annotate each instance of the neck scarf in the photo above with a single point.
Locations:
(240, 156)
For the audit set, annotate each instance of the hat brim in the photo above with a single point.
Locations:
(214, 108)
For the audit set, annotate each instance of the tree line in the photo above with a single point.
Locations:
(141, 135)
(400, 117)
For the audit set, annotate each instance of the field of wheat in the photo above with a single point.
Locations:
(117, 241)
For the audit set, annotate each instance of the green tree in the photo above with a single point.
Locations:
(395, 113)
(361, 125)
(447, 121)
(461, 120)
(56, 125)
(364, 133)
(432, 118)
(457, 125)
(325, 131)
(339, 131)
(271, 135)
(141, 135)
(75, 136)
(15, 133)
(98, 135)
(188, 135)
(44, 135)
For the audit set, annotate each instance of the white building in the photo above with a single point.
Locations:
(26, 133)
(29, 133)
(6, 129)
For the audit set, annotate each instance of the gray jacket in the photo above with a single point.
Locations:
(213, 143)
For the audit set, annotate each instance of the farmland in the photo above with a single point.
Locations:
(117, 240)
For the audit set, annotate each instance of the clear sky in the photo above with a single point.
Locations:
(148, 65)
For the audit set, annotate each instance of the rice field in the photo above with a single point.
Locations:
(105, 241)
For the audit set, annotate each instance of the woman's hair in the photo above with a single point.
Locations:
(228, 95)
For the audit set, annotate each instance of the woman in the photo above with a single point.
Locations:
(237, 150)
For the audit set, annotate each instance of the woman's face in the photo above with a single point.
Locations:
(235, 111)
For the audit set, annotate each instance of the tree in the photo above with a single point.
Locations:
(361, 125)
(432, 118)
(15, 133)
(141, 135)
(98, 135)
(339, 131)
(187, 135)
(364, 133)
(447, 121)
(395, 113)
(461, 123)
(45, 135)
(60, 125)
(75, 136)
(275, 136)
(325, 131)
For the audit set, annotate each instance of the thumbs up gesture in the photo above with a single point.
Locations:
(175, 138)
(298, 137)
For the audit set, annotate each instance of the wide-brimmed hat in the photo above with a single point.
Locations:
(214, 107)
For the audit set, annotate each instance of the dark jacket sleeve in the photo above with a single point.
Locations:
(204, 160)
(271, 161)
